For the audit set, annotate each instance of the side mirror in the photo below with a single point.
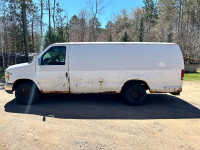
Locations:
(40, 61)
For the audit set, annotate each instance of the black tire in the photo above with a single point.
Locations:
(27, 93)
(134, 95)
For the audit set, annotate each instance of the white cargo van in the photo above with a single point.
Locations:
(126, 68)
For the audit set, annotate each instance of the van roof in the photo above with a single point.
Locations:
(114, 43)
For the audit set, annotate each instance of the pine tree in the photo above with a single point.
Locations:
(125, 38)
(141, 30)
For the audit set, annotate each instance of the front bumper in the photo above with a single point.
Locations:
(8, 88)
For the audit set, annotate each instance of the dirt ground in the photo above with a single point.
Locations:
(102, 122)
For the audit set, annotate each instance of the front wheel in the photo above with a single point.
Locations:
(134, 95)
(27, 93)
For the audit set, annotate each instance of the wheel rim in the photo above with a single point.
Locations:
(25, 93)
(135, 95)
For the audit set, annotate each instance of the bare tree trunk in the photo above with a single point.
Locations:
(179, 16)
(15, 49)
(5, 45)
(32, 33)
(1, 46)
(15, 38)
(198, 14)
(54, 7)
(8, 36)
(49, 14)
(25, 30)
(3, 42)
(41, 16)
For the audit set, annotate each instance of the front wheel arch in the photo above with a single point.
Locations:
(20, 81)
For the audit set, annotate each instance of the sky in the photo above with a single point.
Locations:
(73, 7)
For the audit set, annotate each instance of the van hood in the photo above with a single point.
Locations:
(13, 67)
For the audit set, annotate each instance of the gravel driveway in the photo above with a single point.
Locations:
(96, 121)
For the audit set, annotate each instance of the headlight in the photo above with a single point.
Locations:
(7, 76)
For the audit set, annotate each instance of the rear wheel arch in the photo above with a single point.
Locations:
(135, 82)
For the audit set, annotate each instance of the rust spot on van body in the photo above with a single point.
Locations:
(109, 92)
(100, 85)
(100, 79)
(55, 92)
(58, 92)
(165, 90)
(177, 92)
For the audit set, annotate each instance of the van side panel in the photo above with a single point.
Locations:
(105, 68)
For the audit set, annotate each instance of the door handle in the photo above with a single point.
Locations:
(66, 74)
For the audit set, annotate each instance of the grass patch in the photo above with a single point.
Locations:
(192, 76)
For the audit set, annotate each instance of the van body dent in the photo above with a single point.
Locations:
(101, 68)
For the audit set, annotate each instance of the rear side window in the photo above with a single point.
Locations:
(54, 56)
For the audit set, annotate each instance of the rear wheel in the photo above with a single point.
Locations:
(27, 93)
(134, 95)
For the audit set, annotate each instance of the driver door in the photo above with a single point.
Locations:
(52, 70)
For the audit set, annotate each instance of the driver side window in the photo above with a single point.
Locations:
(54, 56)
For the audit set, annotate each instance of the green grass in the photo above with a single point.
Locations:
(192, 76)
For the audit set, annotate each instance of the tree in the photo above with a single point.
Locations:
(109, 28)
(50, 37)
(125, 38)
(82, 25)
(23, 7)
(150, 11)
(34, 17)
(141, 30)
(150, 18)
(41, 17)
(136, 30)
(67, 33)
(74, 28)
(54, 8)
(49, 10)
(2, 40)
(60, 18)
(94, 25)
